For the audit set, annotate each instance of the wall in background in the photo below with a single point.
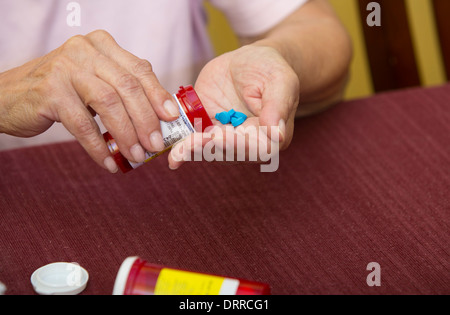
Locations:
(422, 26)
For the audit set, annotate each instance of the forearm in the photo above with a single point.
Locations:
(318, 48)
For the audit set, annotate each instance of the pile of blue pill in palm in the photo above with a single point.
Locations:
(232, 116)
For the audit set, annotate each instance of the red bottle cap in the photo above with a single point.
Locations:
(193, 107)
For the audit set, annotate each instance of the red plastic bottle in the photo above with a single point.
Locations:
(193, 118)
(138, 277)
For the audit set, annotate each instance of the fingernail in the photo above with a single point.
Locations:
(173, 168)
(177, 152)
(157, 141)
(171, 108)
(138, 153)
(111, 165)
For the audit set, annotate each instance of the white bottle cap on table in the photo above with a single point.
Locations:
(60, 278)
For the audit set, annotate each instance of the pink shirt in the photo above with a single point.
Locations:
(171, 34)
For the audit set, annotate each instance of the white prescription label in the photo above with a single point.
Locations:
(172, 132)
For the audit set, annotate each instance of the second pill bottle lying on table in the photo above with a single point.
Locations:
(193, 118)
(137, 276)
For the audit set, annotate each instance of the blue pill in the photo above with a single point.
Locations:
(240, 115)
(223, 117)
(237, 121)
(236, 118)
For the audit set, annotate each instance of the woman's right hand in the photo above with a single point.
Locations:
(88, 75)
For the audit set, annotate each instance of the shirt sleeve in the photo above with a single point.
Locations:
(255, 17)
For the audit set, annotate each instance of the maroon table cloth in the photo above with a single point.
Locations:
(367, 181)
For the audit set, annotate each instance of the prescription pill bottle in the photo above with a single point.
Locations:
(193, 118)
(138, 277)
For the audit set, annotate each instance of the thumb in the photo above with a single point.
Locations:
(279, 103)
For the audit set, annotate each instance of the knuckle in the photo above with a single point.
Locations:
(107, 98)
(74, 43)
(143, 67)
(128, 83)
(99, 35)
(84, 126)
